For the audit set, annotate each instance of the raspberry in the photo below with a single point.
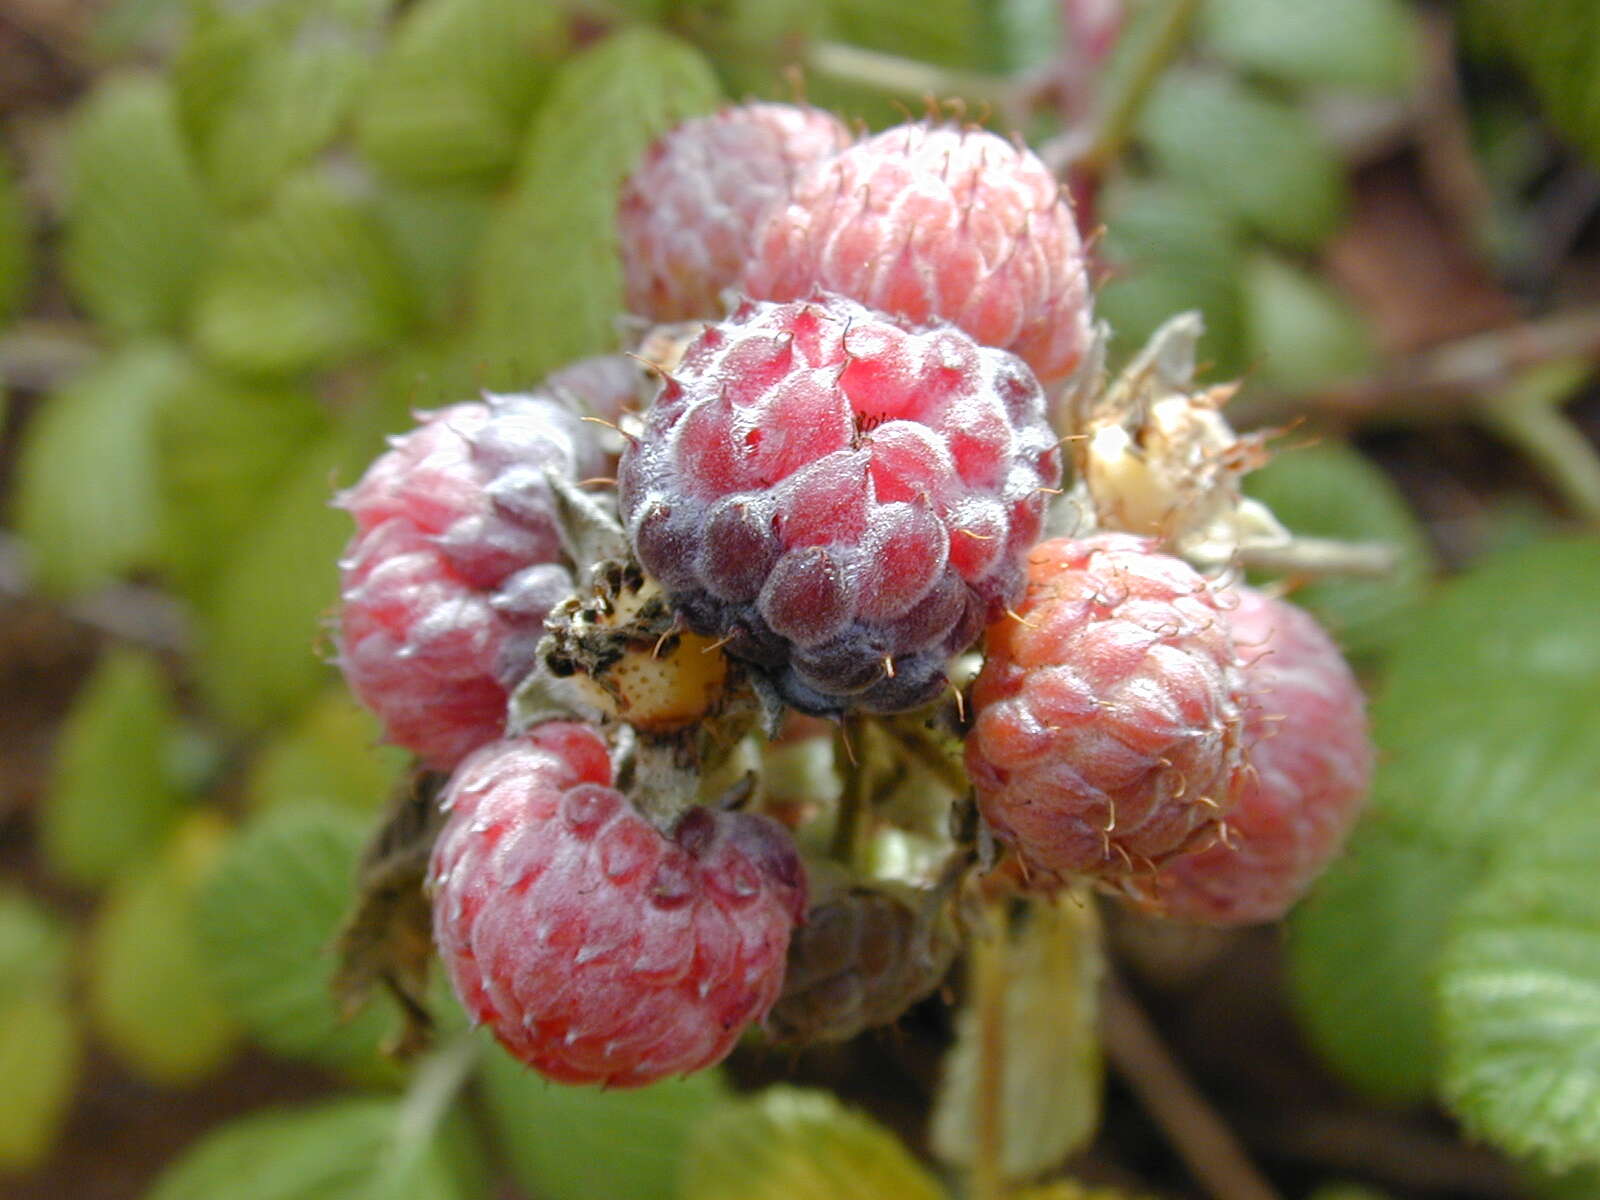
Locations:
(456, 560)
(936, 223)
(866, 953)
(1310, 762)
(1107, 732)
(846, 500)
(596, 948)
(687, 213)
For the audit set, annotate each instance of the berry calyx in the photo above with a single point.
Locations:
(846, 500)
(937, 223)
(596, 947)
(1107, 736)
(688, 213)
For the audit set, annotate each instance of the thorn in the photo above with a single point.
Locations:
(718, 644)
(888, 666)
(1019, 619)
(982, 537)
(597, 481)
(961, 703)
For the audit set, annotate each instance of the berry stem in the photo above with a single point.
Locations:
(1528, 415)
(1317, 557)
(850, 820)
(1160, 45)
(891, 73)
(432, 1091)
(920, 744)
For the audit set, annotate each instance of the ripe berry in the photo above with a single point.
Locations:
(1107, 732)
(456, 559)
(936, 223)
(846, 500)
(687, 213)
(866, 953)
(597, 948)
(1310, 763)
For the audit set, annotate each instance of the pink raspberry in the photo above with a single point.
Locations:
(1310, 763)
(848, 501)
(687, 213)
(598, 949)
(933, 223)
(1107, 732)
(456, 559)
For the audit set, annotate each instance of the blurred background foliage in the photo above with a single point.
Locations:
(241, 242)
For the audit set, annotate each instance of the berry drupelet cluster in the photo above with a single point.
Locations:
(836, 490)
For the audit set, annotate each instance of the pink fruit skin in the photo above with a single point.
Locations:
(687, 214)
(596, 948)
(847, 500)
(935, 223)
(1309, 768)
(456, 559)
(1106, 739)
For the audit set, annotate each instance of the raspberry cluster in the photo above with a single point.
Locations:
(832, 493)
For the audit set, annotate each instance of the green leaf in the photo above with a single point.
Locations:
(1557, 44)
(947, 32)
(223, 446)
(1332, 490)
(15, 250)
(138, 223)
(1485, 721)
(40, 1052)
(549, 287)
(571, 1143)
(267, 917)
(454, 91)
(113, 800)
(1023, 35)
(1300, 331)
(338, 1149)
(1049, 964)
(309, 282)
(264, 648)
(1172, 250)
(330, 756)
(34, 948)
(149, 994)
(87, 499)
(1257, 157)
(797, 1144)
(436, 230)
(1519, 989)
(1367, 45)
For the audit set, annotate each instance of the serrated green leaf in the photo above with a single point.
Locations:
(223, 446)
(309, 282)
(330, 756)
(549, 285)
(1486, 725)
(112, 800)
(797, 1144)
(34, 946)
(1557, 44)
(267, 917)
(1049, 964)
(1332, 490)
(1300, 331)
(1171, 250)
(138, 223)
(337, 1149)
(1519, 989)
(87, 502)
(570, 1143)
(264, 647)
(1368, 45)
(1257, 157)
(15, 251)
(40, 1051)
(454, 92)
(150, 996)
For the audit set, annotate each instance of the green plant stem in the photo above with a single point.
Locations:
(1123, 108)
(922, 747)
(437, 1081)
(987, 970)
(907, 77)
(1528, 416)
(850, 819)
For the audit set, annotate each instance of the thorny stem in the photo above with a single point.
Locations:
(1201, 1138)
(987, 954)
(1528, 415)
(1122, 109)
